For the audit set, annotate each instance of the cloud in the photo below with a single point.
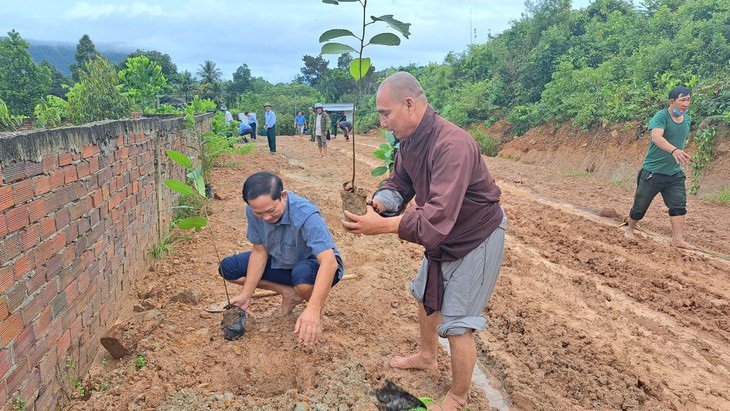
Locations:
(84, 10)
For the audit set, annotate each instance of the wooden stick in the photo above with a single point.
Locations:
(269, 293)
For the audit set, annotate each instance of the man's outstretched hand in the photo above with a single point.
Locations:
(371, 223)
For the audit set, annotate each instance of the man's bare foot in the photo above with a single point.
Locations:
(448, 403)
(414, 362)
(683, 244)
(287, 304)
(628, 233)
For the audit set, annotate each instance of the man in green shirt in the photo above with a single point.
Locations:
(661, 171)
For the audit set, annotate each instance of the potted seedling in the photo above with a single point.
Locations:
(354, 198)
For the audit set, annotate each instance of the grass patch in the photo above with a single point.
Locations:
(618, 182)
(722, 197)
(165, 246)
(489, 145)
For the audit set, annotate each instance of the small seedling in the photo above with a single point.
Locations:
(140, 362)
(18, 404)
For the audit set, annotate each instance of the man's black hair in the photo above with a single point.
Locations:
(679, 91)
(262, 183)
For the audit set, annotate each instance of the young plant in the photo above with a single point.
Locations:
(140, 362)
(360, 66)
(705, 144)
(386, 152)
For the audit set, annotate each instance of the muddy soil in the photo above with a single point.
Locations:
(581, 317)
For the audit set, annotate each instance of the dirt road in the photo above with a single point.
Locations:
(581, 317)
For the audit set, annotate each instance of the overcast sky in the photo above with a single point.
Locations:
(270, 36)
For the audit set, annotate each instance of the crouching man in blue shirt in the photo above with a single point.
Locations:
(293, 253)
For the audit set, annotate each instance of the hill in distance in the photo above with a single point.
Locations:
(62, 55)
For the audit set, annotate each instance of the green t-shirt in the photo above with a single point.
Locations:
(657, 160)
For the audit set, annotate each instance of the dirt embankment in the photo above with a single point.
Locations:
(581, 318)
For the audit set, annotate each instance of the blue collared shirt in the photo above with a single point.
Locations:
(301, 233)
(244, 128)
(270, 119)
(300, 119)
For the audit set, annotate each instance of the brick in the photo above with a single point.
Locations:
(53, 265)
(83, 169)
(5, 363)
(7, 278)
(30, 237)
(23, 342)
(58, 305)
(16, 295)
(24, 264)
(36, 279)
(3, 226)
(56, 179)
(36, 209)
(18, 374)
(49, 247)
(34, 306)
(69, 174)
(63, 344)
(42, 323)
(89, 150)
(22, 191)
(48, 227)
(33, 168)
(17, 218)
(30, 387)
(10, 328)
(62, 218)
(3, 312)
(6, 197)
(41, 184)
(71, 232)
(94, 165)
(13, 172)
(64, 159)
(9, 248)
(80, 208)
(50, 162)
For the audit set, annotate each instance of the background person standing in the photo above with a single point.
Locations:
(270, 127)
(661, 171)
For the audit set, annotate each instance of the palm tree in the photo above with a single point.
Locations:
(209, 73)
(187, 84)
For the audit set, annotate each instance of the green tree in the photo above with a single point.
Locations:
(169, 69)
(143, 82)
(241, 80)
(314, 70)
(57, 80)
(97, 96)
(187, 85)
(85, 51)
(22, 82)
(209, 73)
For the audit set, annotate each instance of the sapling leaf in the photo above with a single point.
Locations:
(385, 39)
(199, 184)
(180, 187)
(334, 33)
(396, 24)
(355, 69)
(180, 158)
(195, 222)
(379, 171)
(337, 48)
(379, 154)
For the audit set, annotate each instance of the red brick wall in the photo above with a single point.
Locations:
(79, 207)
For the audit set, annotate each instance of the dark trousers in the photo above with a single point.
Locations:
(253, 127)
(271, 137)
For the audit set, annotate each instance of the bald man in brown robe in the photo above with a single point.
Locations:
(456, 217)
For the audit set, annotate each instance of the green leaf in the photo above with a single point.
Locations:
(379, 171)
(179, 158)
(337, 48)
(180, 187)
(385, 39)
(379, 154)
(195, 222)
(355, 67)
(385, 147)
(199, 184)
(333, 34)
(390, 137)
(396, 24)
